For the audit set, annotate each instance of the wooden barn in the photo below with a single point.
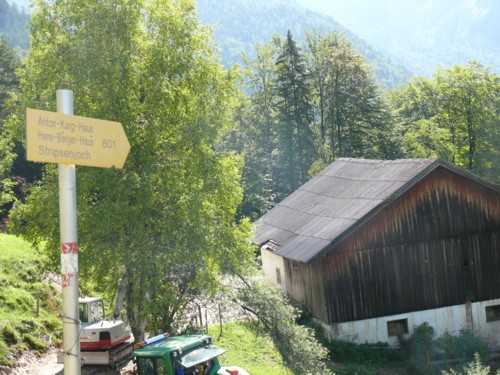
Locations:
(373, 248)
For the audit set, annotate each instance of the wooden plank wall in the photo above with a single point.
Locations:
(436, 245)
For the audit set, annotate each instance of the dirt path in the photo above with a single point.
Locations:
(47, 364)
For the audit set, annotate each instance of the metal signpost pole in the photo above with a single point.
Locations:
(69, 252)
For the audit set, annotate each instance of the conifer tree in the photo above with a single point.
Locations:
(256, 134)
(295, 137)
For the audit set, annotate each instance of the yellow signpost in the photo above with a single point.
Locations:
(68, 140)
(54, 137)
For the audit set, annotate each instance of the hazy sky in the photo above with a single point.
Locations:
(384, 17)
(441, 31)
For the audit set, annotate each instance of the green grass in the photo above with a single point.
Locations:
(12, 247)
(28, 306)
(254, 353)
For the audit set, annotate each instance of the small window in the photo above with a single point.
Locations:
(278, 275)
(492, 313)
(397, 327)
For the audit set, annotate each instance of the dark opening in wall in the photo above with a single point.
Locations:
(492, 313)
(397, 327)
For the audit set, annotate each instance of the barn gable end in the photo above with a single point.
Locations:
(436, 245)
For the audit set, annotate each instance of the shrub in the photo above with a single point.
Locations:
(472, 368)
(348, 352)
(419, 347)
(447, 343)
(307, 320)
(300, 350)
(469, 345)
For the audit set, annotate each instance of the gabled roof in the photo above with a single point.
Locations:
(333, 203)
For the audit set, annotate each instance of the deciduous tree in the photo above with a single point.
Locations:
(349, 110)
(163, 228)
(454, 116)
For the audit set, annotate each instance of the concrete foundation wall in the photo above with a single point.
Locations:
(451, 319)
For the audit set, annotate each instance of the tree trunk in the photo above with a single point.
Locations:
(122, 291)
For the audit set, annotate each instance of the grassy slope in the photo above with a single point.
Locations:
(256, 354)
(21, 285)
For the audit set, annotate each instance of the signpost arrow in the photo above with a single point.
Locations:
(54, 137)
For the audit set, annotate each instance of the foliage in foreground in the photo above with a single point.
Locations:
(302, 353)
(24, 323)
(421, 348)
(472, 368)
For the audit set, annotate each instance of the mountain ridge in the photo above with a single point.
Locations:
(239, 24)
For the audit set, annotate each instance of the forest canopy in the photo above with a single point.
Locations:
(310, 104)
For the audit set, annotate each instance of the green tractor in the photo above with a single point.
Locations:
(181, 355)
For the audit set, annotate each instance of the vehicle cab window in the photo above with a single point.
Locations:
(83, 313)
(152, 366)
(96, 311)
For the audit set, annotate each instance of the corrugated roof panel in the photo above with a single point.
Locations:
(360, 208)
(319, 205)
(303, 248)
(380, 189)
(325, 228)
(340, 188)
(327, 185)
(288, 218)
(265, 232)
(361, 169)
